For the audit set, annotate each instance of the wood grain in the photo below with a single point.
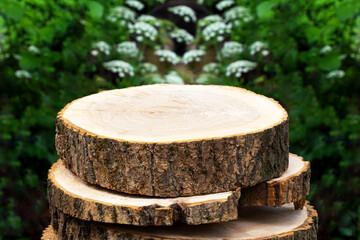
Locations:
(174, 140)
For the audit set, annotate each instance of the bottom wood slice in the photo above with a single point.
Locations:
(292, 186)
(265, 223)
(73, 196)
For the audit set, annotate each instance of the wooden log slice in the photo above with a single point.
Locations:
(280, 223)
(73, 196)
(292, 186)
(174, 140)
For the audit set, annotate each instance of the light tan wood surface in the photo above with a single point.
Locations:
(174, 140)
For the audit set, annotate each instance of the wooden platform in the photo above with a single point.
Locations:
(278, 223)
(73, 196)
(174, 140)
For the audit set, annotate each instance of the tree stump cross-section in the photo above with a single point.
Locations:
(292, 186)
(258, 223)
(174, 140)
(71, 195)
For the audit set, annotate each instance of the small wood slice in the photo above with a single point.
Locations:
(174, 140)
(265, 223)
(292, 186)
(73, 196)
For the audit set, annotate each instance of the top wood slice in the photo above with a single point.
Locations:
(174, 140)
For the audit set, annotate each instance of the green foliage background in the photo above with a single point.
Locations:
(324, 113)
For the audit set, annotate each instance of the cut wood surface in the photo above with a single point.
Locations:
(73, 196)
(278, 223)
(174, 140)
(292, 186)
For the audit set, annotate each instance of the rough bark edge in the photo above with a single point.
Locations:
(274, 193)
(172, 169)
(49, 234)
(220, 210)
(71, 228)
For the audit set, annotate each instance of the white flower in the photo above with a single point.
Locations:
(185, 12)
(148, 68)
(181, 35)
(33, 49)
(100, 47)
(231, 49)
(336, 74)
(216, 31)
(193, 56)
(210, 19)
(224, 4)
(22, 74)
(119, 67)
(121, 14)
(143, 31)
(149, 19)
(128, 49)
(211, 68)
(167, 56)
(135, 4)
(207, 79)
(257, 47)
(240, 67)
(173, 78)
(325, 49)
(238, 14)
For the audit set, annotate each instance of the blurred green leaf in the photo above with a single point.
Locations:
(330, 62)
(96, 10)
(264, 9)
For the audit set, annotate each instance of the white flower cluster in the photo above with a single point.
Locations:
(325, 49)
(33, 49)
(119, 67)
(336, 74)
(259, 47)
(210, 19)
(238, 14)
(148, 68)
(211, 68)
(173, 78)
(102, 47)
(240, 67)
(185, 12)
(22, 74)
(224, 4)
(217, 31)
(231, 49)
(181, 36)
(135, 4)
(122, 14)
(149, 19)
(143, 31)
(128, 49)
(167, 56)
(193, 56)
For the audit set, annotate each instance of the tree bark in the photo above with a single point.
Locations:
(180, 167)
(288, 188)
(74, 197)
(67, 227)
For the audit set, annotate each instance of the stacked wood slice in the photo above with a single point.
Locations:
(177, 162)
